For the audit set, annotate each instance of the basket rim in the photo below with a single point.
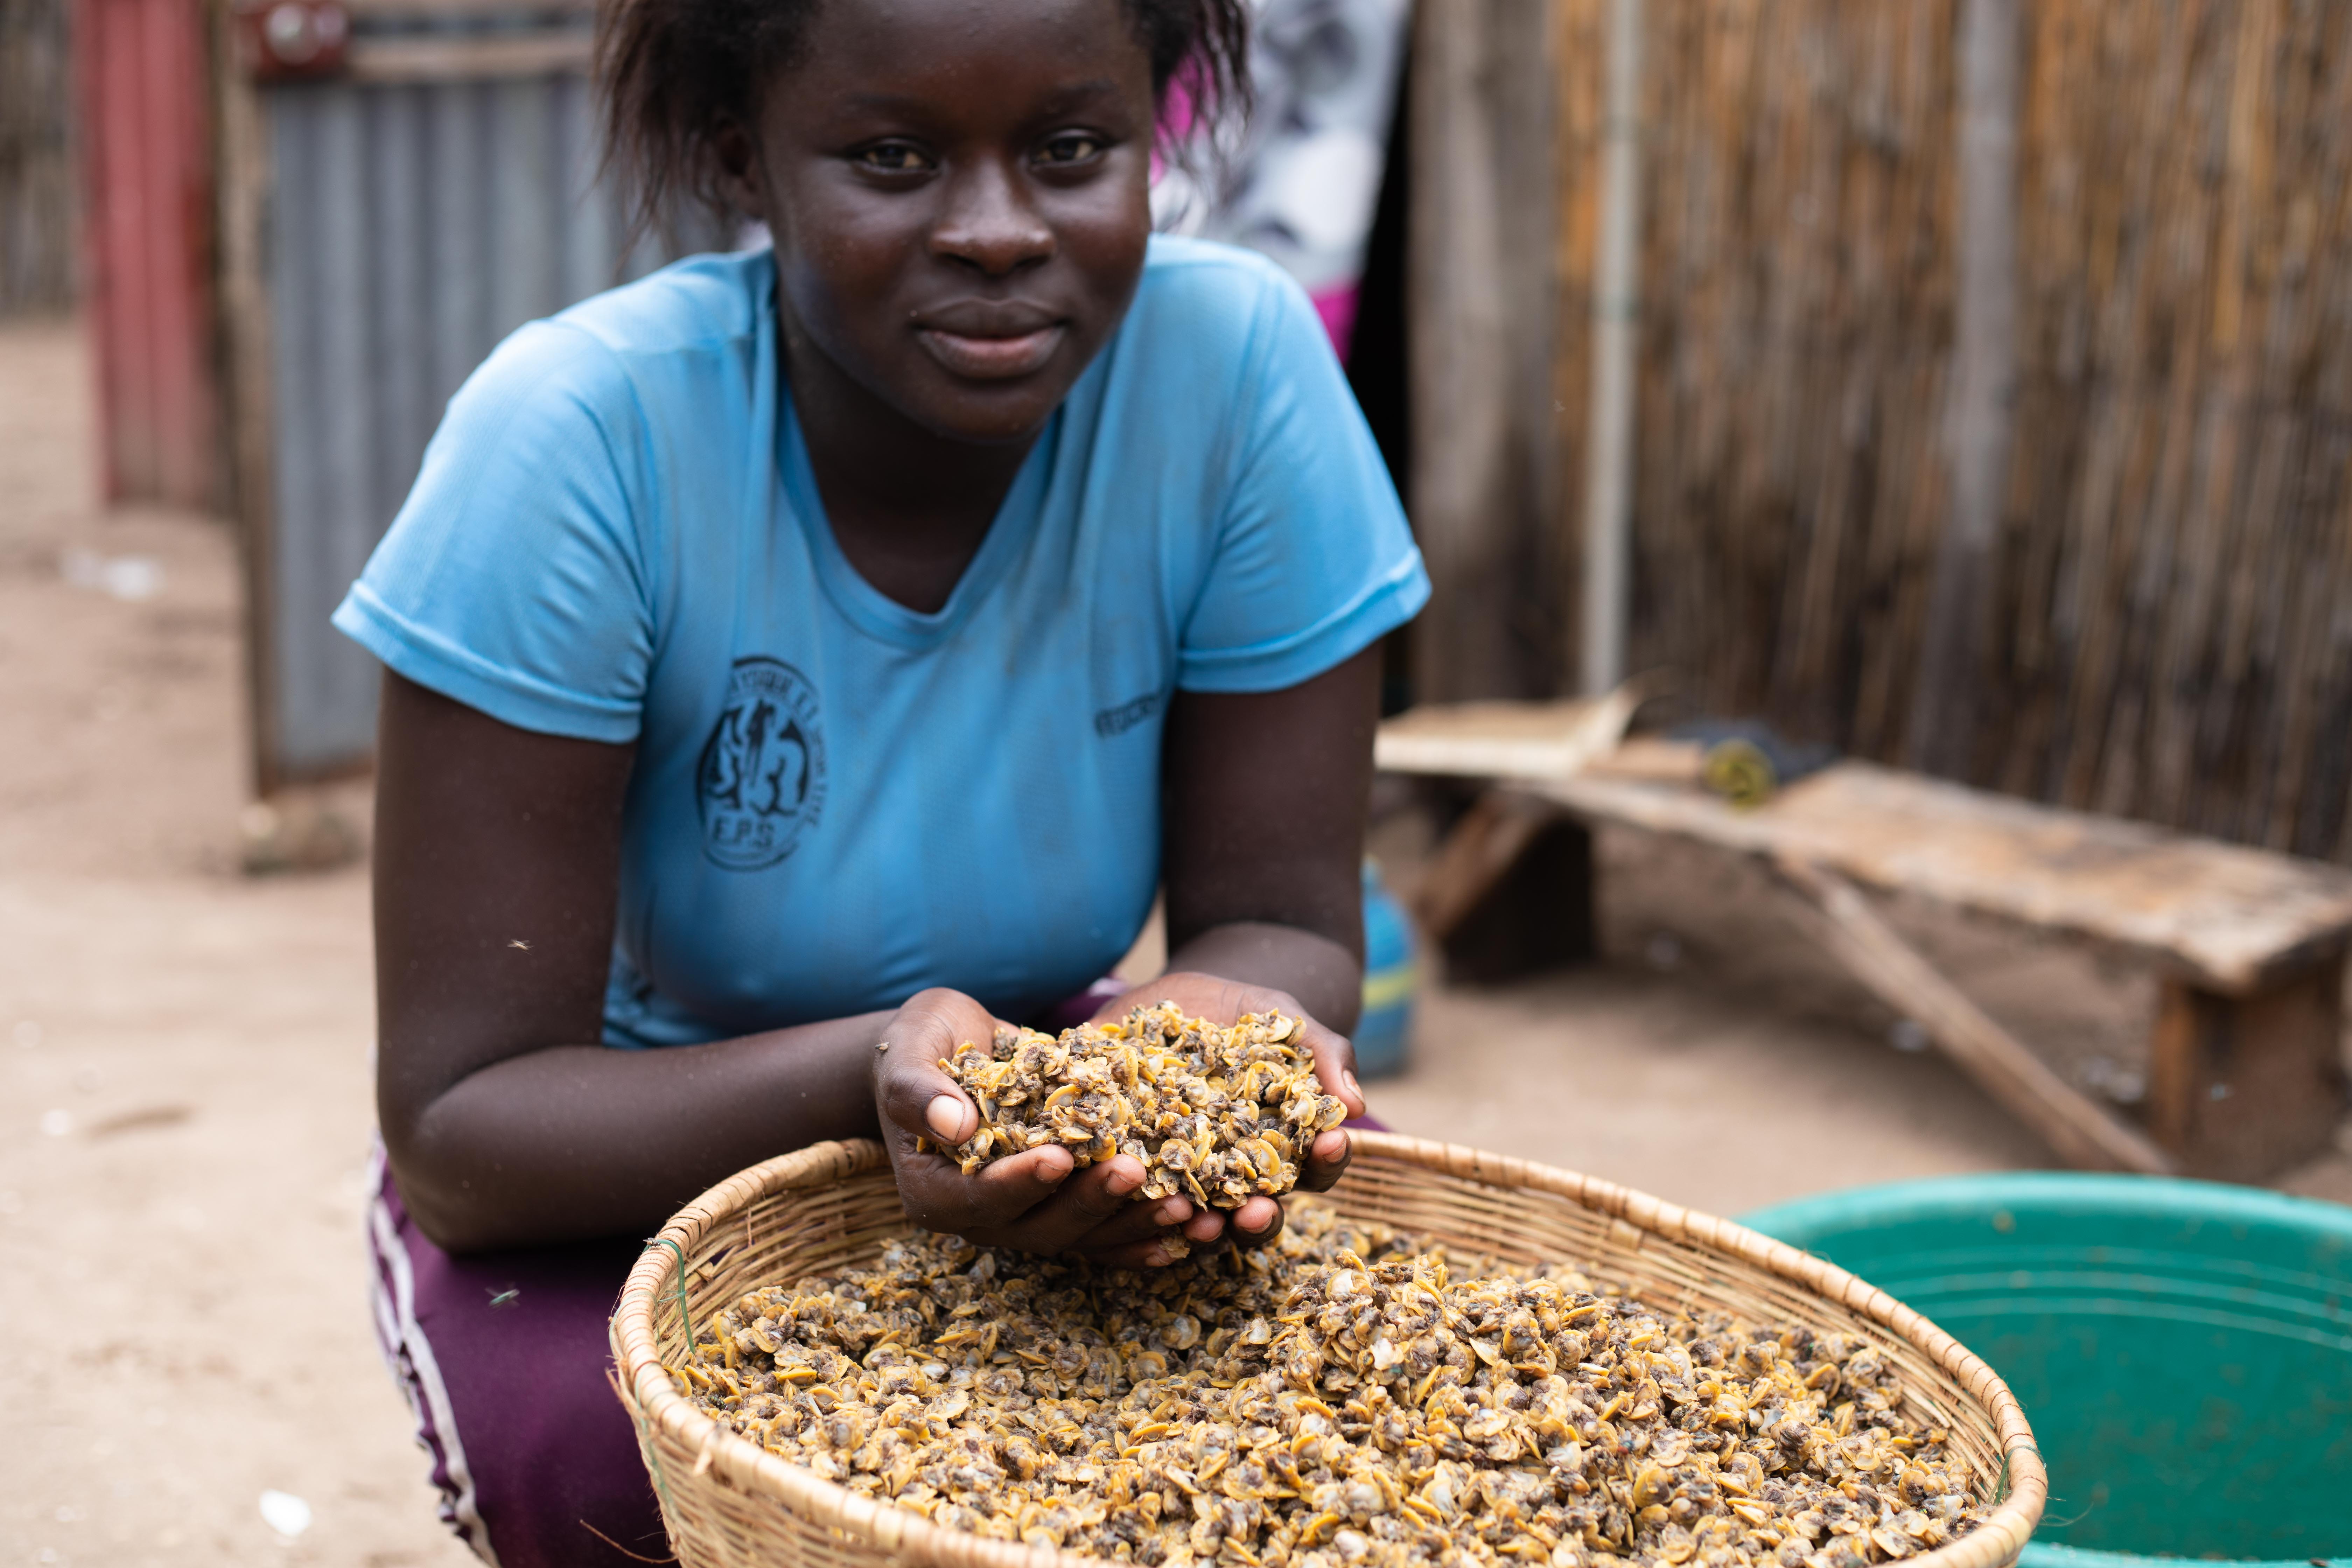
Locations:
(644, 1382)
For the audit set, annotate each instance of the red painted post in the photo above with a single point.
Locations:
(143, 72)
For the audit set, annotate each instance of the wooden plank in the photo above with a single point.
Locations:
(244, 152)
(2083, 1134)
(2230, 919)
(1506, 740)
(2243, 1087)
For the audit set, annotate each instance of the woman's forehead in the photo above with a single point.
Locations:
(958, 68)
(896, 38)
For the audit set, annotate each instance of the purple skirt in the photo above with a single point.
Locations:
(505, 1363)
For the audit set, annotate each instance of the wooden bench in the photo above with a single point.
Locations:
(2245, 1076)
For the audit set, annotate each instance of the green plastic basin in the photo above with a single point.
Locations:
(2182, 1348)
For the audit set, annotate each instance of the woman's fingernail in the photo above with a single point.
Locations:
(1350, 1079)
(945, 1115)
(1156, 1259)
(1174, 1210)
(1121, 1183)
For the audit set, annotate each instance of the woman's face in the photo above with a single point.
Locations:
(959, 194)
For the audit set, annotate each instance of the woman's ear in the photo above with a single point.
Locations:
(737, 154)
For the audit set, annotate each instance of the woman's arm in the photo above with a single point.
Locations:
(509, 1125)
(1266, 799)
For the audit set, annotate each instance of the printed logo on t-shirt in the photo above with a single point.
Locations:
(1119, 721)
(760, 782)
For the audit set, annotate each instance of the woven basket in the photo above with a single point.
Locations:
(729, 1503)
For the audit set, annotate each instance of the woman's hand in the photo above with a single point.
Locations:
(1032, 1201)
(1221, 1000)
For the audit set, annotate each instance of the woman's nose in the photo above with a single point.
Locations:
(990, 223)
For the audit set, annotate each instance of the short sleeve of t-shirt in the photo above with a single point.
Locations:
(515, 578)
(1313, 560)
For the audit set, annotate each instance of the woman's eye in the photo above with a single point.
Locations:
(894, 158)
(1071, 147)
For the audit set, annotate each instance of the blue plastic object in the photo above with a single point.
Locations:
(1384, 1030)
(2182, 1348)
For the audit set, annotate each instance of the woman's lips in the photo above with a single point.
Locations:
(991, 358)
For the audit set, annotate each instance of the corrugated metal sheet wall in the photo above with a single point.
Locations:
(38, 242)
(412, 226)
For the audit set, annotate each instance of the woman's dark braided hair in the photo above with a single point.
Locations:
(670, 73)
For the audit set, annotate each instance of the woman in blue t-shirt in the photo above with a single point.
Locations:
(834, 646)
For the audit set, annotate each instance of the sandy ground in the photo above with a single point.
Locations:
(184, 1063)
(183, 1071)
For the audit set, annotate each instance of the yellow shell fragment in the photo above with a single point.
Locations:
(1344, 1398)
(1216, 1114)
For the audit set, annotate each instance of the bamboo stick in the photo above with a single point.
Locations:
(1616, 322)
(1946, 707)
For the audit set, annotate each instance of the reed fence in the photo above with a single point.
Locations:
(2171, 630)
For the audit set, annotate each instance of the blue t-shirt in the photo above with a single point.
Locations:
(838, 801)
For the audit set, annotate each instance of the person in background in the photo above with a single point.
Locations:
(1303, 185)
(833, 646)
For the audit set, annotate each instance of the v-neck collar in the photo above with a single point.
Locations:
(865, 606)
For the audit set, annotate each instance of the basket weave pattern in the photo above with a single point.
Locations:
(729, 1503)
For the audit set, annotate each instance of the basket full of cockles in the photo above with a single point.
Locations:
(1451, 1357)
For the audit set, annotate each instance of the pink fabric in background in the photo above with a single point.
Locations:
(1337, 308)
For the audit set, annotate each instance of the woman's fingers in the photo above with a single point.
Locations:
(1334, 1065)
(1327, 1160)
(1074, 1211)
(1142, 1220)
(1122, 1237)
(1134, 1254)
(1131, 1237)
(1335, 1062)
(1256, 1222)
(917, 1101)
(1214, 1227)
(909, 1090)
(938, 1195)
